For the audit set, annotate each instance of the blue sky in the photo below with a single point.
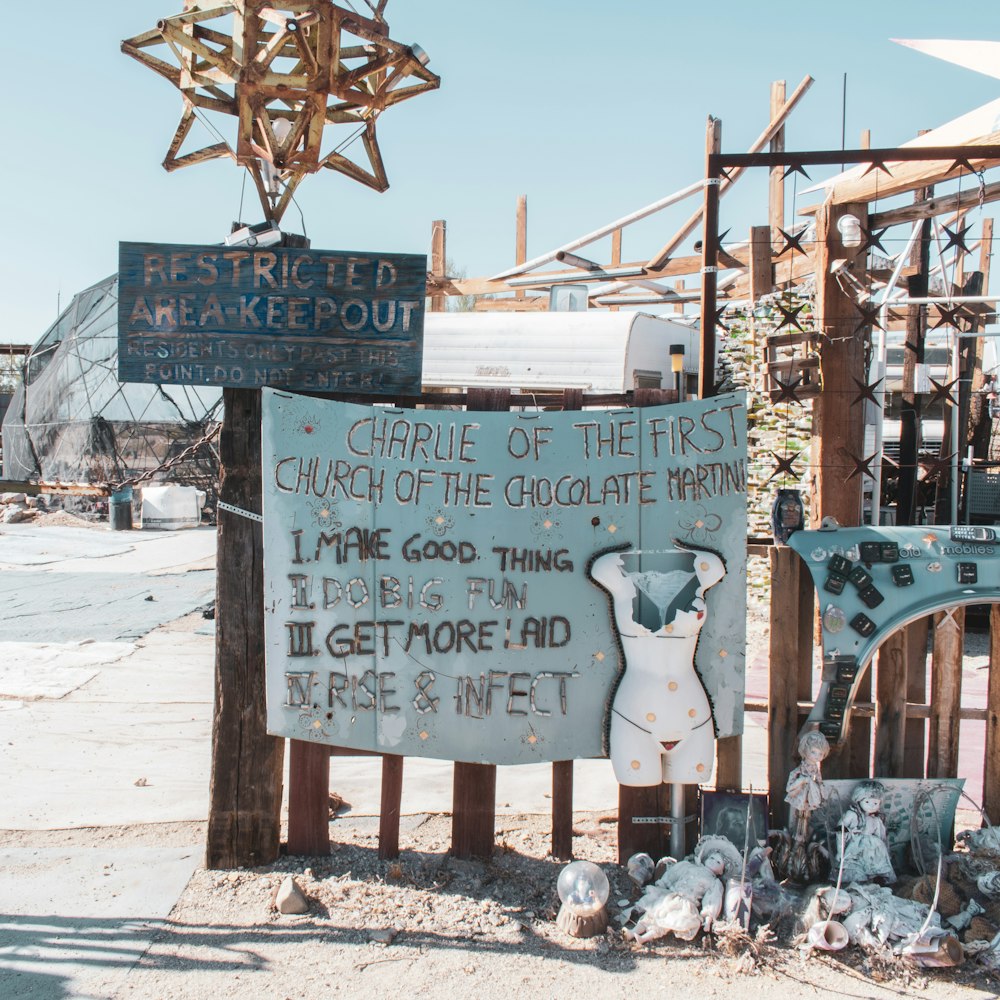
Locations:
(592, 110)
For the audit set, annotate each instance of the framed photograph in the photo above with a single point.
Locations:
(724, 814)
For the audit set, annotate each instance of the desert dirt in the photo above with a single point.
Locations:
(427, 925)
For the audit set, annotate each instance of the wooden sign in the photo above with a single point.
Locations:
(449, 584)
(246, 317)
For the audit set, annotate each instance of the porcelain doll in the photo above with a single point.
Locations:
(862, 842)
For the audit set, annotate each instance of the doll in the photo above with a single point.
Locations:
(862, 842)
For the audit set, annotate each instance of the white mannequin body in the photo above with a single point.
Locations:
(661, 719)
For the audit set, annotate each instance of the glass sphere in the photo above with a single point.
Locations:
(583, 888)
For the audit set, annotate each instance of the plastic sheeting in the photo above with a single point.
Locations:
(73, 421)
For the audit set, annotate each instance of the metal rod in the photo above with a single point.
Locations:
(627, 220)
(559, 279)
(890, 154)
(677, 830)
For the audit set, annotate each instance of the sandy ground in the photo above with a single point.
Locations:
(423, 925)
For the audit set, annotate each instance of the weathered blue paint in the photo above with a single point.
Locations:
(321, 320)
(426, 588)
(872, 581)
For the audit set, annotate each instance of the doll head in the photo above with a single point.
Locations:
(813, 747)
(867, 796)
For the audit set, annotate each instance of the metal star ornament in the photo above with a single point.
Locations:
(956, 238)
(786, 390)
(866, 392)
(862, 466)
(793, 243)
(869, 317)
(784, 466)
(789, 317)
(942, 393)
(873, 239)
(877, 165)
(949, 316)
(285, 71)
(796, 168)
(936, 468)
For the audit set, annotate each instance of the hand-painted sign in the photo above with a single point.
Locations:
(872, 581)
(507, 587)
(283, 317)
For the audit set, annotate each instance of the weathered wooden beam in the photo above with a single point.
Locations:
(761, 267)
(890, 720)
(774, 126)
(390, 808)
(776, 181)
(439, 231)
(929, 207)
(308, 798)
(946, 694)
(838, 427)
(709, 262)
(55, 489)
(244, 820)
(521, 237)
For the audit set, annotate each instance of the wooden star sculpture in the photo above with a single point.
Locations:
(285, 71)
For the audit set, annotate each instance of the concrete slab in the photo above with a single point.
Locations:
(75, 921)
(52, 670)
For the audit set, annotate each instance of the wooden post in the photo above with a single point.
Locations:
(913, 355)
(776, 182)
(439, 231)
(790, 669)
(991, 762)
(946, 694)
(616, 256)
(521, 237)
(244, 819)
(308, 798)
(389, 809)
(474, 786)
(976, 414)
(709, 259)
(890, 711)
(838, 427)
(916, 692)
(761, 269)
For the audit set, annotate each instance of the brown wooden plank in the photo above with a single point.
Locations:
(644, 804)
(729, 762)
(473, 810)
(439, 229)
(308, 798)
(776, 181)
(761, 268)
(946, 694)
(521, 237)
(991, 762)
(890, 721)
(916, 693)
(784, 658)
(709, 261)
(562, 809)
(859, 738)
(389, 810)
(244, 820)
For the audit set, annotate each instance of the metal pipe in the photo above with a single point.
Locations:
(559, 279)
(627, 220)
(677, 826)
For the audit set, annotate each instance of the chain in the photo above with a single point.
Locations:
(173, 462)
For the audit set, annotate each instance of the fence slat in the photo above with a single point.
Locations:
(392, 796)
(790, 647)
(946, 694)
(308, 798)
(916, 693)
(991, 764)
(890, 719)
(562, 809)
